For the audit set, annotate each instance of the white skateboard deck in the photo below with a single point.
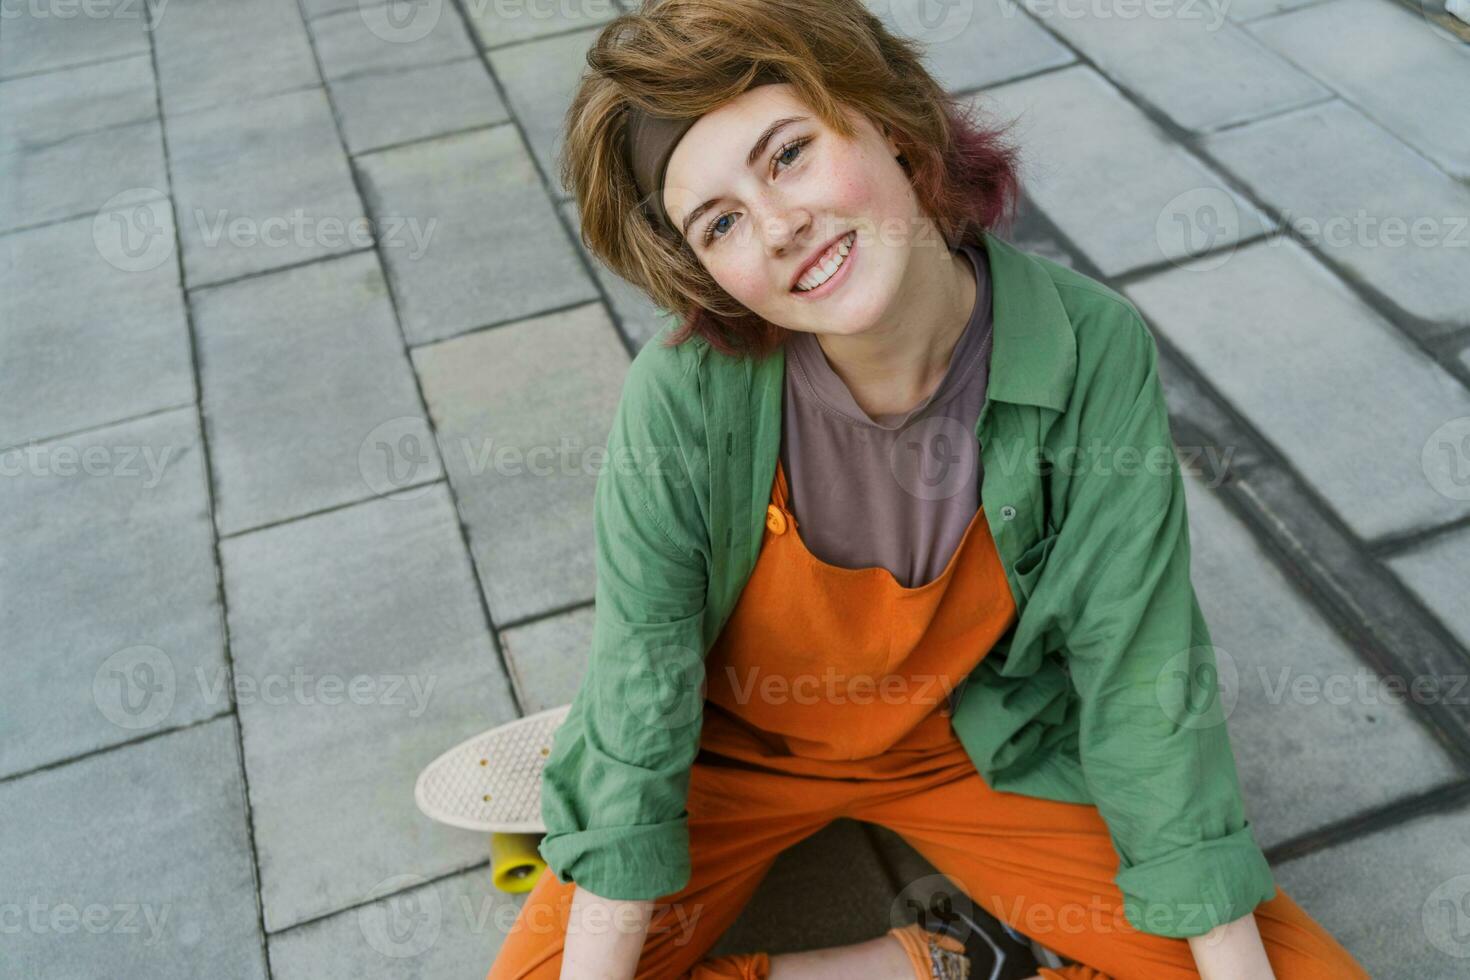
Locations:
(492, 782)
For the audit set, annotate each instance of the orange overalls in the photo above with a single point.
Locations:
(826, 698)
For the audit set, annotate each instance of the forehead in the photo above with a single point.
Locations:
(714, 148)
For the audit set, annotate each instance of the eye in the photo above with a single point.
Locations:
(787, 154)
(793, 145)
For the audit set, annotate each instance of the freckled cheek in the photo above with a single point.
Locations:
(746, 285)
(854, 184)
(852, 191)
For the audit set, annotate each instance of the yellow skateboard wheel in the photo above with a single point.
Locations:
(515, 864)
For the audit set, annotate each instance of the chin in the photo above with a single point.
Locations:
(844, 318)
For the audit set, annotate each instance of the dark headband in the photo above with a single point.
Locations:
(651, 140)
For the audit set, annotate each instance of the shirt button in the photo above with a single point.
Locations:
(1007, 512)
(775, 520)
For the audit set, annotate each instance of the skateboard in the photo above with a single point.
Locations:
(492, 783)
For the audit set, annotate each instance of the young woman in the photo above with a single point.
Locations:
(890, 527)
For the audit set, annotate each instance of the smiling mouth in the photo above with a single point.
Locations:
(821, 272)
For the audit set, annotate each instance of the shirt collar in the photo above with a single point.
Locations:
(1034, 361)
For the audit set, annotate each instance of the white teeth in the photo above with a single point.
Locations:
(821, 273)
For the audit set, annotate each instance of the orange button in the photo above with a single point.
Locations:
(775, 520)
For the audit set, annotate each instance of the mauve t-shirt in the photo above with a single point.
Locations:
(896, 491)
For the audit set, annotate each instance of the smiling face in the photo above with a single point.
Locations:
(761, 188)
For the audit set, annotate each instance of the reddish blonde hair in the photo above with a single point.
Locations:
(684, 58)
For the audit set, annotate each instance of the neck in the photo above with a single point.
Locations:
(898, 364)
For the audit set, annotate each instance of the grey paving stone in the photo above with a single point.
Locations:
(134, 862)
(1286, 344)
(1437, 571)
(1365, 200)
(38, 37)
(340, 393)
(1118, 187)
(638, 318)
(384, 109)
(111, 605)
(317, 8)
(1246, 10)
(45, 108)
(548, 657)
(495, 250)
(522, 413)
(452, 927)
(260, 185)
(968, 45)
(1386, 60)
(361, 653)
(388, 36)
(1307, 717)
(1032, 234)
(80, 174)
(211, 52)
(1396, 899)
(539, 80)
(498, 22)
(782, 917)
(1183, 56)
(91, 322)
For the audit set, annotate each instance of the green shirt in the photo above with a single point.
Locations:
(1103, 692)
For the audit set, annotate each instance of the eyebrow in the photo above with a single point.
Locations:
(750, 158)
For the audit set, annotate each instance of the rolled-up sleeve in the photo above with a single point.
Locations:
(616, 782)
(1152, 740)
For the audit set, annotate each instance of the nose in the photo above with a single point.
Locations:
(783, 225)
